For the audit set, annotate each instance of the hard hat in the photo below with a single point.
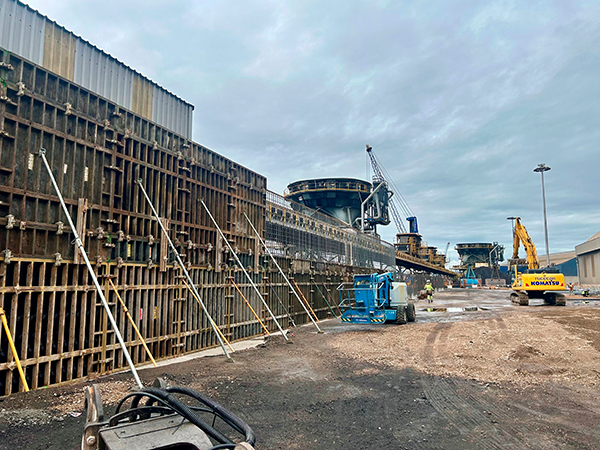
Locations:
(429, 281)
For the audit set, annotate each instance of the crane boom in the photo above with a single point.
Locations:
(396, 201)
(521, 236)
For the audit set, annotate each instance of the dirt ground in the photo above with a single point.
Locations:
(473, 372)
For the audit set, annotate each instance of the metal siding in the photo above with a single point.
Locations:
(157, 106)
(22, 31)
(59, 50)
(171, 113)
(143, 92)
(102, 74)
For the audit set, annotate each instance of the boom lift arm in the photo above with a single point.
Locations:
(521, 236)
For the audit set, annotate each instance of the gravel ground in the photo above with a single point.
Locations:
(473, 372)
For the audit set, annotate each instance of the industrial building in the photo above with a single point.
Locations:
(588, 261)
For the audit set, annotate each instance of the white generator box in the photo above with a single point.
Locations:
(398, 294)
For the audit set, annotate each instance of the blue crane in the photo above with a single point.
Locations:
(397, 203)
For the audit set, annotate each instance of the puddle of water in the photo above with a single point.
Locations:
(455, 309)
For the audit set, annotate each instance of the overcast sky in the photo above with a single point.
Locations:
(459, 99)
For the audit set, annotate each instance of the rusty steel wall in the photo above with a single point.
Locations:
(97, 150)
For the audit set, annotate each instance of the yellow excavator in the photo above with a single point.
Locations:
(545, 283)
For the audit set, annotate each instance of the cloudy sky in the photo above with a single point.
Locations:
(459, 99)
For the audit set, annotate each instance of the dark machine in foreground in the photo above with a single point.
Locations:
(161, 418)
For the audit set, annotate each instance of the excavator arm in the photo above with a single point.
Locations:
(521, 236)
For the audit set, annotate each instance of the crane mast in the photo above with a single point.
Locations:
(396, 201)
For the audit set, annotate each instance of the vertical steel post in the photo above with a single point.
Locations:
(243, 269)
(184, 270)
(91, 271)
(281, 272)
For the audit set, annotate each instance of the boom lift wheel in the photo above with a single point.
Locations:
(401, 318)
(410, 312)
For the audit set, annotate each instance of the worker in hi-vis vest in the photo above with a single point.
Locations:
(429, 289)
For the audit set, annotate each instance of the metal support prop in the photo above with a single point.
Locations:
(251, 308)
(305, 300)
(14, 350)
(328, 305)
(327, 292)
(91, 272)
(135, 328)
(281, 271)
(244, 270)
(209, 318)
(282, 305)
(184, 270)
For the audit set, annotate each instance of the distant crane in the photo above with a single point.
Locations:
(397, 203)
(446, 252)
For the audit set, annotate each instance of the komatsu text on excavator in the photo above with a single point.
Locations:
(544, 283)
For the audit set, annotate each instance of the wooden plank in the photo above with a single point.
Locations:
(82, 207)
(164, 246)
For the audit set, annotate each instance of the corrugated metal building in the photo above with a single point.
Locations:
(588, 261)
(34, 36)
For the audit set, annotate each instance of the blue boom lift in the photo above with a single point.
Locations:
(375, 298)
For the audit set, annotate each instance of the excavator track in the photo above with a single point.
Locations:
(554, 298)
(519, 298)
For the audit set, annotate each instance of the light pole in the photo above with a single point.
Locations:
(541, 168)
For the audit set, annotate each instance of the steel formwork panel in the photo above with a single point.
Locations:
(97, 150)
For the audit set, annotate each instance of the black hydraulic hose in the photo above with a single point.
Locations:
(186, 412)
(225, 414)
(137, 396)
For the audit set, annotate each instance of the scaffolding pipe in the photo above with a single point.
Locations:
(281, 271)
(281, 303)
(251, 308)
(135, 328)
(328, 305)
(307, 304)
(184, 270)
(327, 292)
(209, 318)
(11, 343)
(79, 244)
(244, 270)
